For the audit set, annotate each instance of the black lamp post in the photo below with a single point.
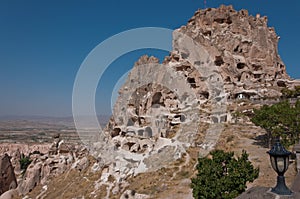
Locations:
(279, 157)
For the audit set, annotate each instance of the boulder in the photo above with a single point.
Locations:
(7, 176)
(31, 178)
(11, 194)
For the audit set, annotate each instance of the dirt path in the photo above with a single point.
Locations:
(258, 155)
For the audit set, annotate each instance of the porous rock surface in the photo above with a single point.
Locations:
(243, 47)
(59, 158)
(219, 56)
(7, 177)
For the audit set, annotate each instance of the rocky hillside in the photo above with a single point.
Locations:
(223, 61)
(219, 57)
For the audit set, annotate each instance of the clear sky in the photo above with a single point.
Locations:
(43, 43)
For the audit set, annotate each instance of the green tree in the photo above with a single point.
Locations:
(222, 176)
(24, 162)
(279, 120)
(291, 93)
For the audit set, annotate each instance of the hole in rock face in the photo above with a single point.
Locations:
(281, 84)
(132, 193)
(256, 67)
(192, 82)
(236, 48)
(129, 144)
(148, 132)
(183, 68)
(215, 120)
(223, 118)
(197, 63)
(207, 33)
(228, 79)
(123, 133)
(140, 132)
(257, 76)
(181, 117)
(130, 122)
(115, 132)
(219, 60)
(241, 65)
(156, 99)
(118, 145)
(223, 20)
(219, 20)
(205, 94)
(184, 55)
(176, 58)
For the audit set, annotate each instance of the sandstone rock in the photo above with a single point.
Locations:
(44, 166)
(220, 58)
(244, 47)
(11, 194)
(7, 179)
(63, 148)
(21, 148)
(15, 161)
(32, 177)
(81, 164)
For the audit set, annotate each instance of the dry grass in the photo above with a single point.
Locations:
(175, 180)
(72, 184)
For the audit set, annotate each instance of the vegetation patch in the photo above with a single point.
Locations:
(221, 175)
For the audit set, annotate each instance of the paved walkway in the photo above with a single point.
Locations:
(296, 184)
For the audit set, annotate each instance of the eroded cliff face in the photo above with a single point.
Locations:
(243, 47)
(220, 55)
(8, 179)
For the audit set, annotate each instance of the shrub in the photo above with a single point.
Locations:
(24, 162)
(222, 176)
(279, 120)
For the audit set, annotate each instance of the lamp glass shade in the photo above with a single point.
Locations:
(280, 164)
(287, 162)
(273, 162)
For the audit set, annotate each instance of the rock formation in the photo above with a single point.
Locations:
(7, 179)
(164, 109)
(243, 47)
(61, 158)
(57, 159)
(220, 56)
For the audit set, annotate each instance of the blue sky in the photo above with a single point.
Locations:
(43, 43)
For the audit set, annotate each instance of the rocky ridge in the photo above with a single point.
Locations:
(219, 57)
(45, 164)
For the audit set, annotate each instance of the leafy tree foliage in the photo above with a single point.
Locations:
(279, 120)
(289, 93)
(222, 176)
(24, 162)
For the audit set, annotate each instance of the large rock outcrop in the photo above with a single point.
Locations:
(220, 55)
(7, 178)
(165, 108)
(243, 47)
(60, 158)
(46, 161)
